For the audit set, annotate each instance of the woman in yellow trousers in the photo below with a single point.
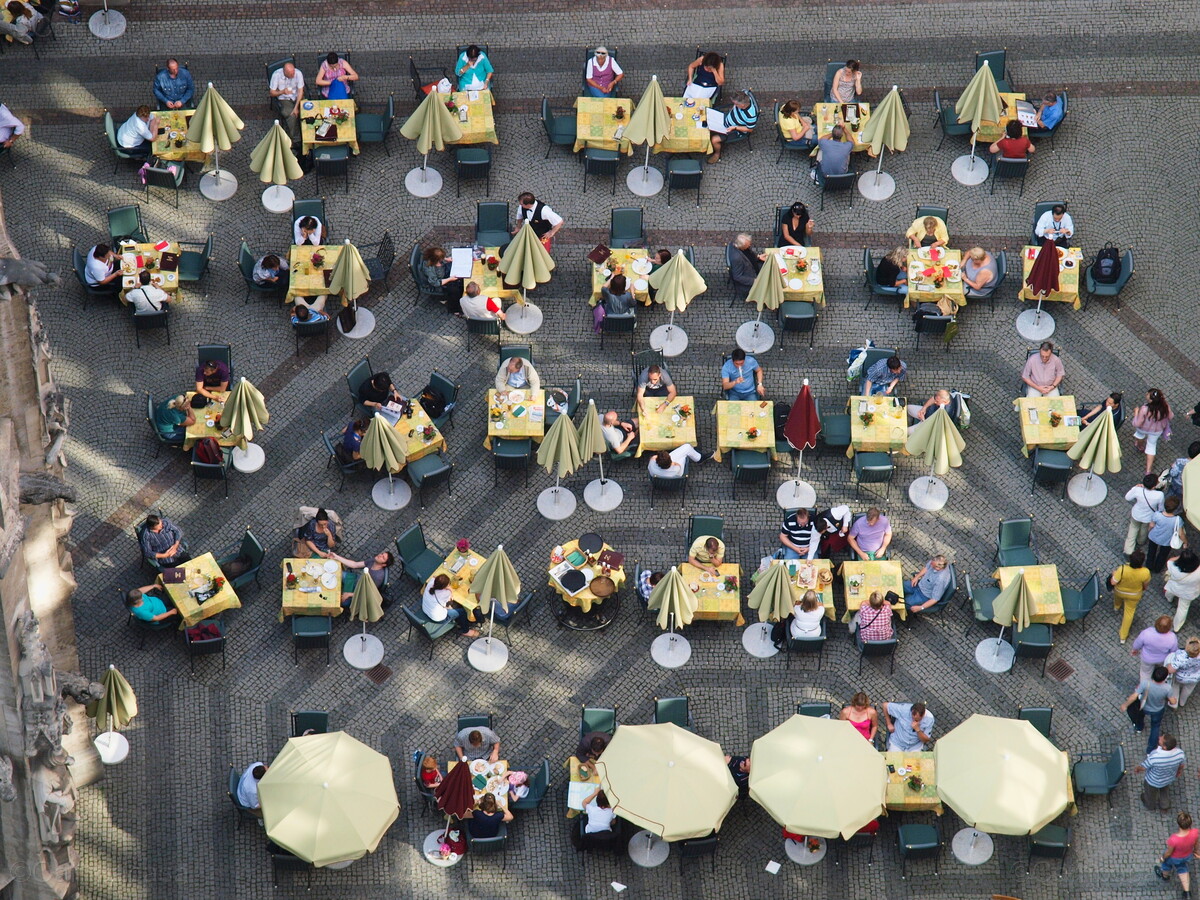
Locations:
(1128, 582)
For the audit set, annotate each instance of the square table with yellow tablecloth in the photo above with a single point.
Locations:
(949, 296)
(175, 121)
(460, 581)
(811, 280)
(1036, 429)
(686, 134)
(201, 429)
(1070, 262)
(1043, 585)
(198, 573)
(713, 602)
(301, 600)
(625, 259)
(480, 126)
(990, 132)
(577, 777)
(487, 778)
(305, 279)
(888, 430)
(416, 445)
(826, 115)
(902, 798)
(668, 429)
(134, 258)
(490, 281)
(319, 111)
(585, 598)
(516, 414)
(596, 123)
(736, 418)
(872, 575)
(805, 575)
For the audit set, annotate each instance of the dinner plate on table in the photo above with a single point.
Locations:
(923, 252)
(479, 766)
(606, 272)
(499, 426)
(516, 396)
(679, 115)
(640, 284)
(172, 135)
(641, 266)
(814, 278)
(329, 580)
(330, 566)
(210, 422)
(795, 284)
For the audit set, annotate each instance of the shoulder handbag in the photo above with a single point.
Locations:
(1110, 582)
(1136, 716)
(1176, 536)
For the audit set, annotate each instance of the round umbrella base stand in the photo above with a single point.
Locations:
(670, 650)
(391, 494)
(487, 655)
(107, 24)
(876, 185)
(969, 170)
(795, 494)
(1087, 489)
(423, 182)
(755, 337)
(523, 319)
(218, 185)
(432, 841)
(556, 503)
(801, 855)
(597, 618)
(1035, 325)
(928, 493)
(112, 747)
(971, 847)
(340, 864)
(249, 460)
(363, 651)
(670, 339)
(994, 655)
(278, 198)
(756, 639)
(648, 850)
(603, 496)
(364, 324)
(644, 181)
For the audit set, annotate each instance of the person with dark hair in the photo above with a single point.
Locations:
(1182, 586)
(669, 463)
(307, 314)
(146, 603)
(174, 87)
(335, 76)
(1175, 473)
(1043, 372)
(101, 269)
(1128, 582)
(308, 230)
(655, 382)
(909, 725)
(797, 226)
(739, 768)
(212, 378)
(1184, 666)
(544, 221)
(707, 553)
(598, 812)
(1050, 113)
(162, 541)
(884, 375)
(1162, 765)
(474, 70)
(136, 135)
(1153, 645)
(1152, 423)
(477, 742)
(376, 568)
(796, 128)
(438, 603)
(799, 537)
(834, 525)
(268, 269)
(615, 300)
(646, 582)
(1112, 401)
(705, 76)
(592, 746)
(1166, 527)
(1155, 695)
(1146, 500)
(434, 271)
(485, 820)
(847, 83)
(1015, 144)
(378, 391)
(1055, 224)
(352, 437)
(247, 789)
(871, 535)
(742, 377)
(319, 534)
(147, 298)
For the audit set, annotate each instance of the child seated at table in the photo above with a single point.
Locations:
(430, 774)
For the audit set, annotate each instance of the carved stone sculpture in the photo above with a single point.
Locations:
(24, 273)
(42, 487)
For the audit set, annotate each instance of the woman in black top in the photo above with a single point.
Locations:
(892, 270)
(797, 227)
(485, 821)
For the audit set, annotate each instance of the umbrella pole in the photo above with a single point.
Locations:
(879, 168)
(216, 172)
(932, 478)
(424, 164)
(974, 135)
(646, 167)
(603, 480)
(999, 641)
(491, 621)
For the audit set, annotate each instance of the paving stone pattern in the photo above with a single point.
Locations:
(160, 826)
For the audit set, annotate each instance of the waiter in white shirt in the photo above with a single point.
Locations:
(10, 127)
(544, 221)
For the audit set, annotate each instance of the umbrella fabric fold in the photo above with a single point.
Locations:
(214, 125)
(381, 448)
(590, 436)
(980, 101)
(803, 425)
(938, 441)
(350, 276)
(676, 283)
(1043, 274)
(1191, 492)
(672, 596)
(431, 125)
(774, 595)
(888, 126)
(496, 581)
(366, 604)
(1013, 605)
(561, 446)
(525, 260)
(1098, 447)
(273, 158)
(118, 701)
(245, 411)
(649, 122)
(767, 290)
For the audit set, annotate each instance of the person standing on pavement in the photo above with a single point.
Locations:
(1166, 534)
(1146, 500)
(1155, 696)
(1184, 666)
(1128, 583)
(544, 221)
(1183, 584)
(1153, 645)
(1181, 847)
(1162, 766)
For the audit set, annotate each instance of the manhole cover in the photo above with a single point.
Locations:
(379, 674)
(1059, 670)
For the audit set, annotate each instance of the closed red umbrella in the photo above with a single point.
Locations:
(454, 795)
(1043, 274)
(801, 430)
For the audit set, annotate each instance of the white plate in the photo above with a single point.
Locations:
(676, 420)
(923, 252)
(329, 580)
(330, 566)
(499, 426)
(210, 422)
(607, 273)
(516, 396)
(640, 284)
(954, 279)
(763, 414)
(1068, 263)
(588, 574)
(679, 115)
(641, 266)
(814, 278)
(795, 284)
(480, 766)
(802, 252)
(172, 134)
(308, 104)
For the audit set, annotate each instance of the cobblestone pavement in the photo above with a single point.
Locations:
(160, 826)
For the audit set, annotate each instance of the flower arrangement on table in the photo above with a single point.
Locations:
(802, 265)
(619, 114)
(1055, 418)
(463, 545)
(426, 432)
(492, 263)
(497, 414)
(450, 105)
(291, 581)
(684, 410)
(731, 583)
(915, 783)
(937, 274)
(867, 418)
(813, 844)
(218, 583)
(318, 260)
(752, 433)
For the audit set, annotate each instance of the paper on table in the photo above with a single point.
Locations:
(577, 791)
(617, 886)
(773, 867)
(714, 120)
(462, 260)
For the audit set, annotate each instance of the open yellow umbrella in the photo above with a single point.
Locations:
(495, 584)
(676, 605)
(525, 261)
(980, 102)
(1191, 492)
(276, 165)
(364, 651)
(383, 450)
(676, 284)
(351, 279)
(215, 127)
(648, 124)
(245, 414)
(328, 798)
(1098, 450)
(602, 494)
(939, 442)
(765, 293)
(116, 706)
(887, 129)
(817, 777)
(432, 126)
(559, 453)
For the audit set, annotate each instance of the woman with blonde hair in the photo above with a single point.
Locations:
(978, 272)
(927, 231)
(892, 270)
(862, 715)
(1184, 666)
(807, 615)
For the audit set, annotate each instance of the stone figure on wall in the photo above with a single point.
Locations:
(24, 273)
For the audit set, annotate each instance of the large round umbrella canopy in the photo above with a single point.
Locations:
(214, 126)
(888, 126)
(525, 260)
(561, 446)
(431, 124)
(803, 424)
(382, 449)
(245, 411)
(672, 595)
(774, 595)
(1191, 491)
(650, 121)
(273, 158)
(1013, 605)
(590, 436)
(980, 101)
(1098, 447)
(818, 777)
(118, 701)
(1001, 775)
(667, 780)
(496, 581)
(677, 283)
(328, 797)
(767, 290)
(1043, 274)
(938, 441)
(366, 604)
(350, 277)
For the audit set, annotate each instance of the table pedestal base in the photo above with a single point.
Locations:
(644, 181)
(1087, 489)
(363, 651)
(603, 496)
(112, 747)
(1035, 325)
(994, 655)
(968, 170)
(278, 198)
(795, 494)
(340, 864)
(487, 654)
(391, 494)
(556, 503)
(801, 855)
(523, 319)
(107, 24)
(755, 337)
(423, 182)
(219, 184)
(249, 460)
(876, 185)
(971, 847)
(364, 324)
(928, 493)
(432, 841)
(670, 650)
(756, 639)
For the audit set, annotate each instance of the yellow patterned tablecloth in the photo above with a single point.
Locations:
(1068, 277)
(201, 429)
(888, 429)
(176, 121)
(585, 598)
(576, 776)
(460, 581)
(826, 115)
(714, 603)
(130, 270)
(595, 125)
(687, 134)
(1041, 433)
(990, 132)
(197, 572)
(490, 281)
(346, 133)
(325, 601)
(735, 418)
(1043, 585)
(921, 289)
(306, 281)
(805, 579)
(881, 575)
(659, 430)
(624, 258)
(415, 444)
(480, 127)
(503, 423)
(899, 795)
(812, 279)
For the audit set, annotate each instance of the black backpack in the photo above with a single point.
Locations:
(1106, 268)
(779, 632)
(432, 401)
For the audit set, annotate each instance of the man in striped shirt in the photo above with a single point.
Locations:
(742, 116)
(1162, 766)
(799, 537)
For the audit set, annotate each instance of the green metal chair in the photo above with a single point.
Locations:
(1035, 641)
(627, 227)
(1096, 289)
(1014, 543)
(843, 183)
(947, 119)
(419, 560)
(332, 162)
(433, 631)
(193, 264)
(1078, 603)
(211, 471)
(246, 263)
(311, 633)
(119, 152)
(1005, 168)
(928, 209)
(750, 466)
(873, 468)
(207, 646)
(997, 60)
(372, 128)
(472, 162)
(671, 485)
(311, 330)
(816, 709)
(485, 327)
(559, 125)
(164, 178)
(809, 646)
(835, 429)
(690, 848)
(484, 846)
(683, 173)
(672, 709)
(126, 222)
(313, 721)
(1052, 842)
(449, 391)
(355, 379)
(877, 648)
(249, 549)
(539, 786)
(231, 787)
(797, 315)
(874, 289)
(1099, 773)
(345, 466)
(705, 526)
(597, 718)
(624, 324)
(429, 471)
(492, 224)
(508, 619)
(1040, 209)
(643, 359)
(917, 841)
(981, 602)
(511, 453)
(831, 69)
(508, 351)
(379, 257)
(1050, 132)
(600, 162)
(1037, 716)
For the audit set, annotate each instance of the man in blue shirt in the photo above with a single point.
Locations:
(910, 726)
(883, 377)
(741, 377)
(1051, 112)
(309, 315)
(148, 606)
(925, 588)
(1175, 474)
(173, 86)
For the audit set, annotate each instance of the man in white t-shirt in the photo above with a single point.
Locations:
(621, 436)
(136, 134)
(287, 90)
(102, 270)
(146, 297)
(1146, 500)
(670, 465)
(247, 789)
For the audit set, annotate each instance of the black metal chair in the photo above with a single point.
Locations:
(423, 791)
(311, 633)
(997, 60)
(806, 646)
(1034, 642)
(843, 183)
(483, 846)
(799, 316)
(511, 453)
(623, 324)
(1051, 467)
(433, 631)
(484, 327)
(694, 847)
(429, 471)
(684, 173)
(916, 841)
(309, 721)
(283, 860)
(932, 325)
(164, 178)
(241, 813)
(345, 465)
(424, 76)
(126, 222)
(204, 646)
(877, 648)
(249, 549)
(600, 162)
(211, 471)
(311, 330)
(668, 485)
(156, 321)
(539, 786)
(1052, 842)
(1003, 167)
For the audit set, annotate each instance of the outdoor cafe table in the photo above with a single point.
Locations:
(175, 121)
(921, 289)
(490, 281)
(325, 601)
(201, 429)
(494, 780)
(585, 598)
(460, 581)
(991, 132)
(503, 420)
(1068, 276)
(1043, 585)
(130, 269)
(197, 572)
(346, 133)
(1041, 433)
(826, 115)
(415, 444)
(902, 798)
(888, 429)
(812, 279)
(624, 258)
(596, 125)
(577, 794)
(660, 431)
(304, 280)
(686, 134)
(805, 579)
(713, 602)
(480, 127)
(735, 418)
(881, 575)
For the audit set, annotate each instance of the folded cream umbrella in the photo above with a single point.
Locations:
(676, 284)
(648, 124)
(938, 441)
(559, 453)
(1098, 450)
(1191, 492)
(980, 102)
(383, 450)
(773, 594)
(245, 414)
(1013, 607)
(676, 605)
(495, 584)
(525, 261)
(215, 127)
(602, 494)
(887, 129)
(364, 651)
(765, 293)
(432, 126)
(276, 165)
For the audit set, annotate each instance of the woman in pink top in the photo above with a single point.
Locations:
(1154, 645)
(1181, 847)
(862, 715)
(1151, 422)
